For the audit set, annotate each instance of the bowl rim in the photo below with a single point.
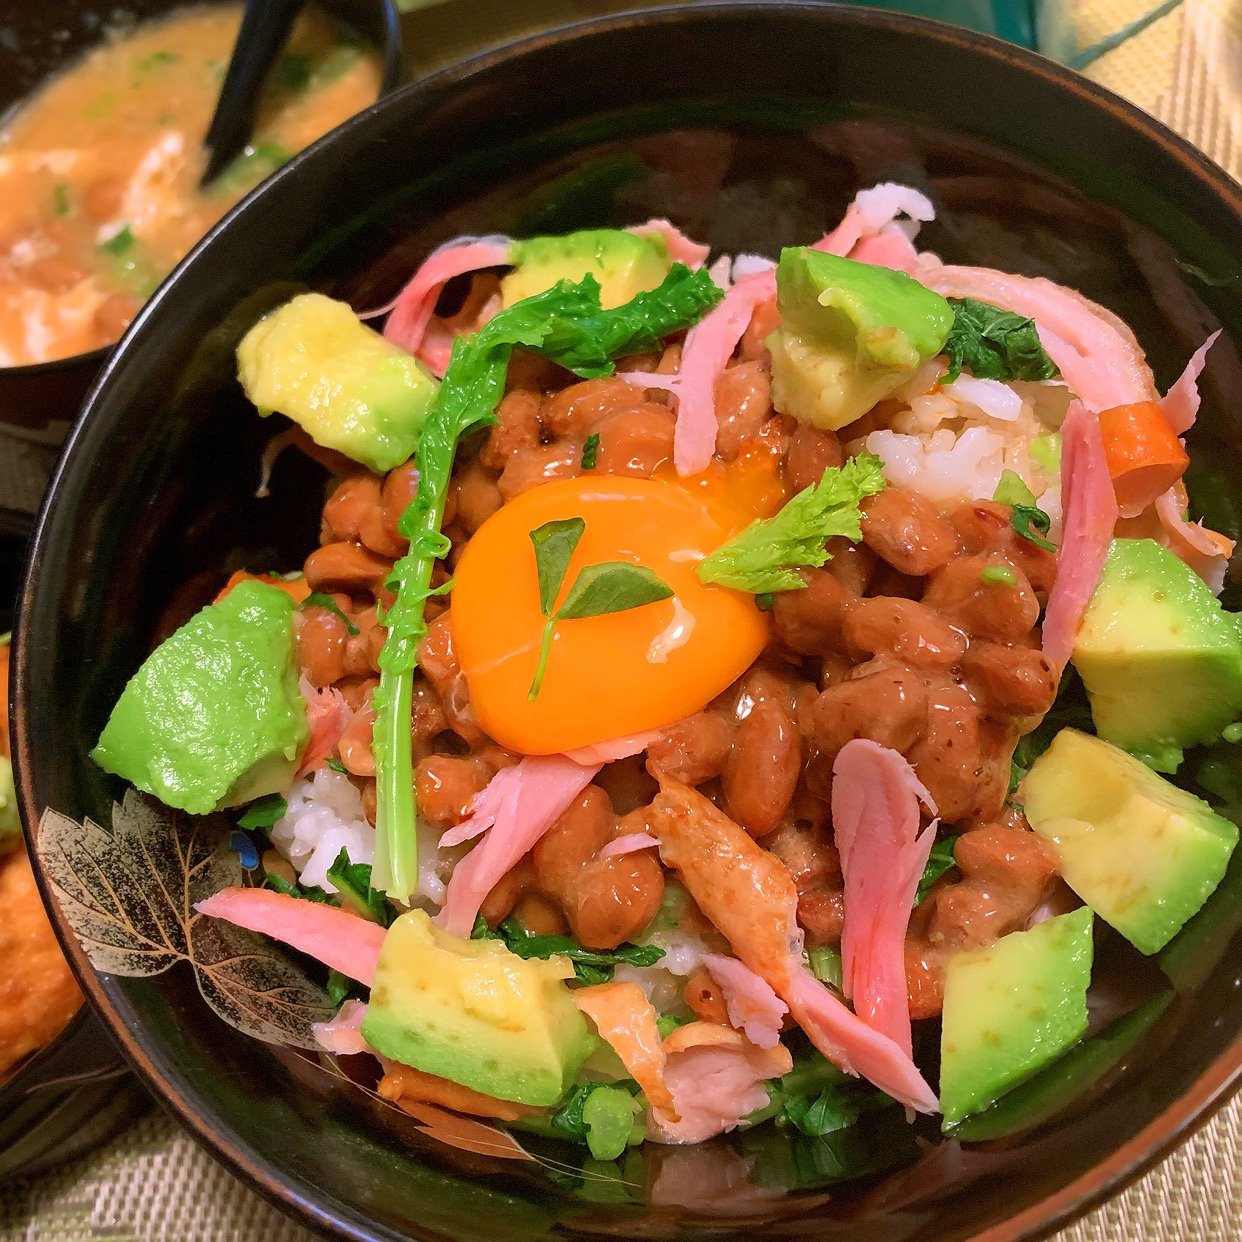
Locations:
(1217, 1082)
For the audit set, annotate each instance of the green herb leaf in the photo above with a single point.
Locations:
(156, 59)
(938, 862)
(120, 243)
(590, 451)
(353, 885)
(279, 884)
(1012, 490)
(612, 586)
(763, 557)
(998, 575)
(249, 168)
(825, 1113)
(264, 812)
(590, 965)
(1024, 518)
(335, 765)
(826, 965)
(995, 344)
(60, 199)
(295, 69)
(667, 1023)
(320, 600)
(339, 987)
(554, 548)
(566, 324)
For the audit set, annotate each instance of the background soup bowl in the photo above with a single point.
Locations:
(38, 401)
(751, 126)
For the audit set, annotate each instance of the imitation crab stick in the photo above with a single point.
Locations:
(340, 940)
(750, 897)
(1144, 456)
(626, 1021)
(296, 588)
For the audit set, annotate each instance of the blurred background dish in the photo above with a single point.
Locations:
(102, 115)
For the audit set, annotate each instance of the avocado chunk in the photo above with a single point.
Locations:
(851, 333)
(10, 825)
(349, 389)
(623, 263)
(1143, 854)
(475, 1013)
(213, 717)
(1010, 1008)
(1160, 658)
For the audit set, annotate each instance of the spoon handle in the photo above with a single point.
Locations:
(264, 31)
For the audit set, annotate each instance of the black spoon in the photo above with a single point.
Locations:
(264, 31)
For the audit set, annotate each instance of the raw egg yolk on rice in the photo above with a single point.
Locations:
(623, 673)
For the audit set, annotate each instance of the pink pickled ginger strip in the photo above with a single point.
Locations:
(875, 816)
(415, 303)
(531, 797)
(848, 1042)
(754, 1008)
(709, 346)
(328, 716)
(340, 940)
(631, 843)
(1089, 508)
(343, 1035)
(680, 247)
(1180, 405)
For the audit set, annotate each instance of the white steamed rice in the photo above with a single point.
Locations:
(324, 817)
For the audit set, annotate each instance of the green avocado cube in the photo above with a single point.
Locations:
(473, 1012)
(624, 264)
(1142, 853)
(850, 335)
(1160, 658)
(213, 717)
(349, 389)
(1011, 1008)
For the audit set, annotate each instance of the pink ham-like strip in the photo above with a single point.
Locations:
(415, 303)
(709, 346)
(754, 1009)
(341, 941)
(530, 798)
(1099, 358)
(1205, 551)
(614, 749)
(1180, 405)
(1089, 509)
(328, 716)
(848, 1042)
(875, 819)
(681, 249)
(893, 250)
(631, 843)
(343, 1035)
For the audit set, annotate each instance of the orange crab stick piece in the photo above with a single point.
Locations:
(1145, 457)
(296, 588)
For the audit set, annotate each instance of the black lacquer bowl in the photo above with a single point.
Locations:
(750, 126)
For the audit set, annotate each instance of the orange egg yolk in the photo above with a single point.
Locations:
(615, 675)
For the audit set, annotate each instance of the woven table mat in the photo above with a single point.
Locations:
(153, 1184)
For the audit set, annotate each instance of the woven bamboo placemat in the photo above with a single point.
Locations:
(154, 1185)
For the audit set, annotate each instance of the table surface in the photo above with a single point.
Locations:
(154, 1185)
